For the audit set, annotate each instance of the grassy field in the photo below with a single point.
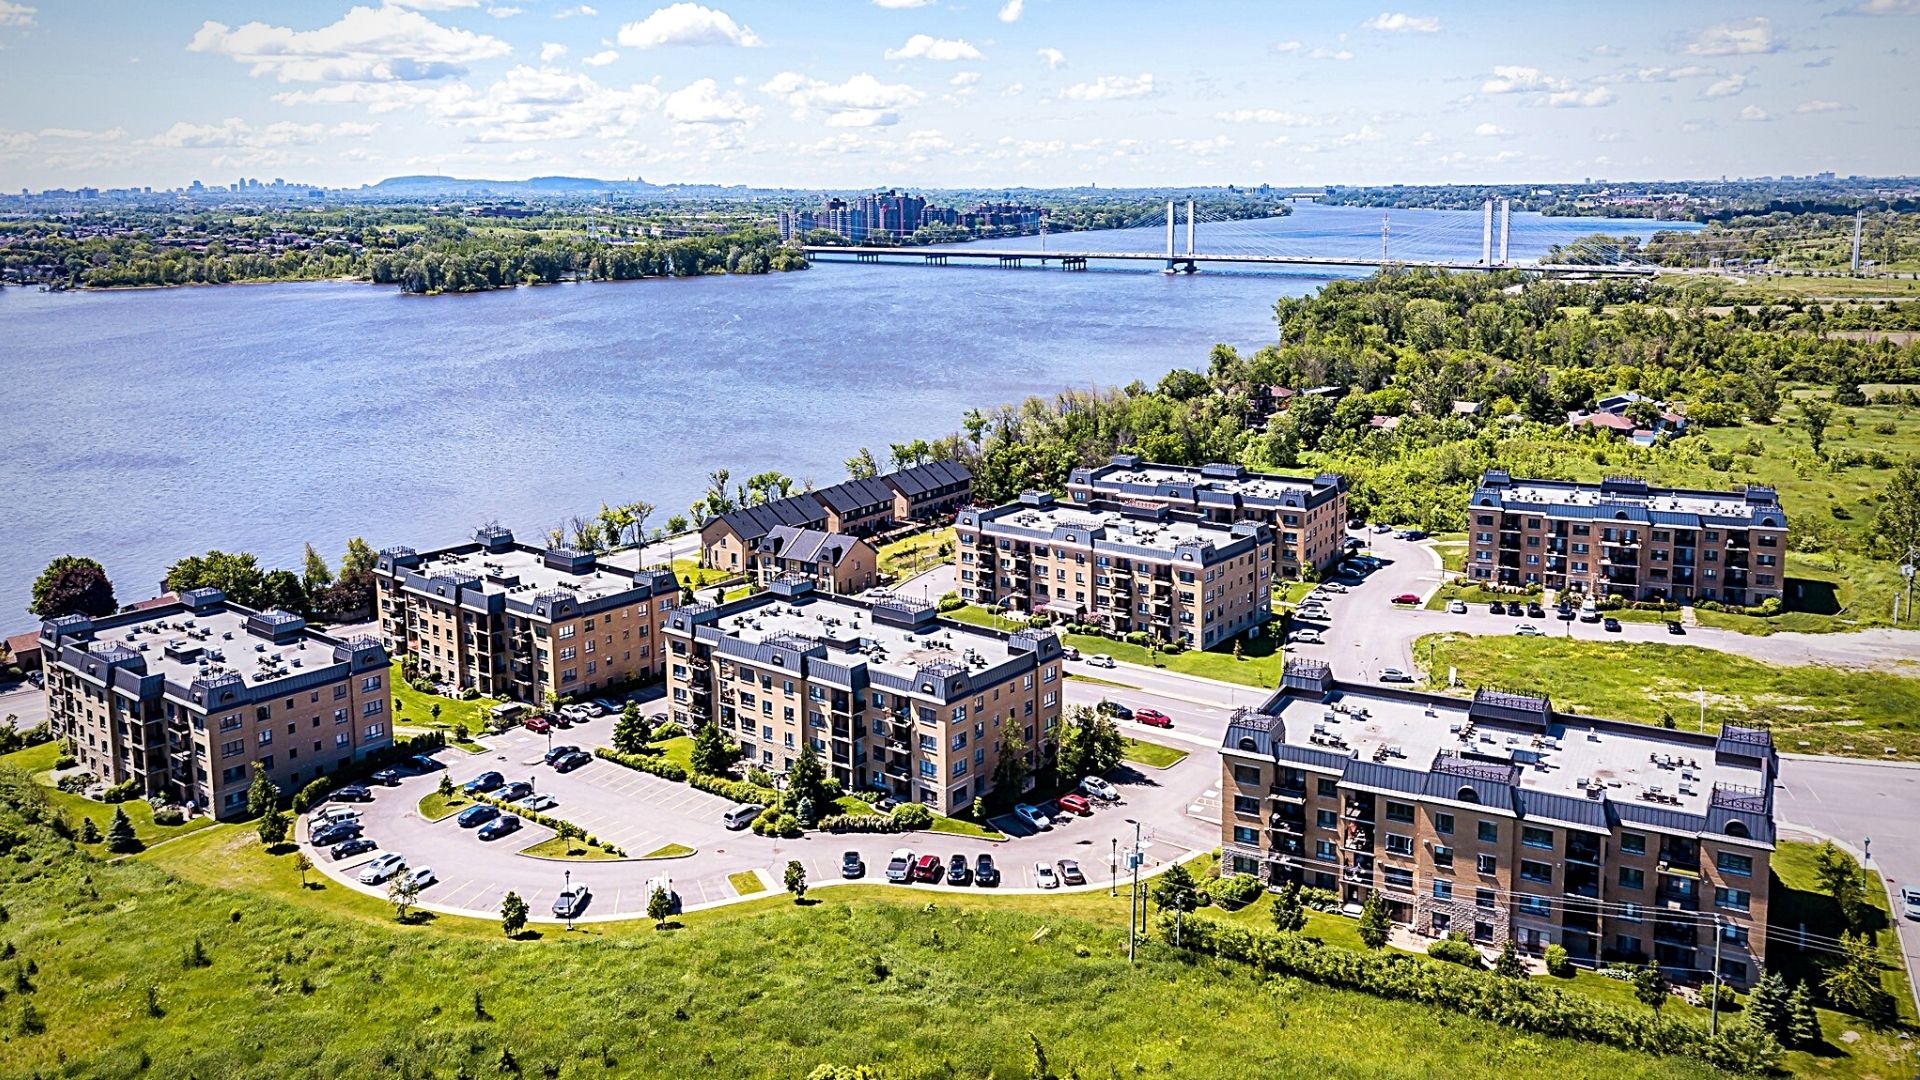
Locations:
(1795, 899)
(1260, 666)
(1787, 289)
(1095, 680)
(690, 572)
(434, 806)
(746, 883)
(36, 761)
(678, 750)
(415, 709)
(916, 554)
(1810, 708)
(975, 615)
(572, 849)
(1153, 754)
(959, 827)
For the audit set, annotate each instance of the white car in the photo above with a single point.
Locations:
(1458, 607)
(1311, 611)
(1910, 902)
(1031, 814)
(1099, 789)
(381, 868)
(1044, 877)
(1528, 630)
(537, 801)
(1330, 586)
(1100, 660)
(420, 877)
(1394, 674)
(1306, 637)
(333, 812)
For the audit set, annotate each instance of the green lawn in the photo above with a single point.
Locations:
(690, 572)
(1795, 898)
(1810, 708)
(746, 883)
(975, 615)
(1290, 592)
(669, 851)
(916, 554)
(415, 709)
(434, 806)
(853, 805)
(678, 750)
(1153, 754)
(1260, 666)
(36, 761)
(959, 827)
(1094, 680)
(575, 850)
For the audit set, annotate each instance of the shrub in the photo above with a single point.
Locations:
(1456, 949)
(860, 823)
(739, 791)
(658, 766)
(912, 815)
(121, 792)
(777, 823)
(307, 796)
(65, 761)
(1558, 964)
(169, 815)
(667, 730)
(1138, 637)
(1234, 890)
(76, 783)
(951, 602)
(1320, 899)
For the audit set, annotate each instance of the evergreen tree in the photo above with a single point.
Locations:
(659, 906)
(1767, 1005)
(630, 732)
(1508, 964)
(120, 836)
(806, 777)
(1289, 914)
(1853, 984)
(314, 573)
(273, 826)
(89, 832)
(263, 794)
(1375, 924)
(1010, 775)
(1803, 1024)
(712, 754)
(796, 880)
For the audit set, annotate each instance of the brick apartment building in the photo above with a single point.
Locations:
(1173, 575)
(184, 698)
(890, 697)
(514, 621)
(834, 562)
(922, 493)
(1308, 515)
(1504, 819)
(1624, 536)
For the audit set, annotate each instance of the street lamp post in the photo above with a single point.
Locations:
(568, 892)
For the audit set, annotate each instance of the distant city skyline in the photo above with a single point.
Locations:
(950, 93)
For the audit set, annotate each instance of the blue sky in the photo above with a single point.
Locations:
(952, 92)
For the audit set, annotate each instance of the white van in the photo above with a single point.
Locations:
(742, 816)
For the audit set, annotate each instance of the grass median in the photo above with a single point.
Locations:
(1152, 754)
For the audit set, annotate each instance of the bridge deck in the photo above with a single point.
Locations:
(1205, 257)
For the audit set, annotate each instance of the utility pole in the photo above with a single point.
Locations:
(1906, 571)
(1384, 218)
(1859, 219)
(1716, 974)
(1703, 709)
(1133, 894)
(1113, 869)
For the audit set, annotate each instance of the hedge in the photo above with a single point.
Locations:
(1521, 1004)
(550, 822)
(646, 763)
(737, 790)
(866, 823)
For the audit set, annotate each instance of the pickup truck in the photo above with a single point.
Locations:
(900, 867)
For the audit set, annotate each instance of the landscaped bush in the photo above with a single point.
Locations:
(738, 790)
(1320, 899)
(307, 796)
(534, 817)
(912, 815)
(867, 823)
(646, 763)
(950, 602)
(75, 783)
(777, 823)
(1558, 964)
(169, 815)
(1520, 1004)
(1138, 637)
(1234, 890)
(1456, 949)
(121, 792)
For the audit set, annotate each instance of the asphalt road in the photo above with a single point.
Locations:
(25, 705)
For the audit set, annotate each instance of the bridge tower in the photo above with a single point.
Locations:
(1486, 233)
(1506, 224)
(1859, 221)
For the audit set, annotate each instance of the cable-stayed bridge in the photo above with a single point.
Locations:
(1243, 242)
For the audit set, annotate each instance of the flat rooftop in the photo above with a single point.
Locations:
(526, 571)
(1249, 485)
(1110, 526)
(183, 646)
(896, 650)
(1567, 759)
(1594, 500)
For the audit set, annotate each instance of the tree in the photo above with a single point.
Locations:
(1853, 984)
(1289, 914)
(1841, 878)
(314, 573)
(446, 786)
(72, 585)
(1010, 775)
(263, 794)
(513, 914)
(1767, 1005)
(1650, 987)
(273, 826)
(659, 906)
(1375, 924)
(796, 880)
(568, 833)
(1090, 743)
(862, 465)
(1508, 965)
(238, 575)
(1175, 890)
(302, 864)
(283, 589)
(1803, 1024)
(359, 559)
(712, 753)
(1896, 524)
(402, 892)
(120, 835)
(89, 832)
(807, 777)
(630, 733)
(1815, 415)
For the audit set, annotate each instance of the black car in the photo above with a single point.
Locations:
(985, 874)
(515, 791)
(957, 872)
(486, 781)
(571, 762)
(1674, 627)
(1115, 710)
(347, 849)
(555, 753)
(1535, 611)
(1495, 607)
(886, 804)
(1611, 624)
(1564, 611)
(388, 777)
(852, 866)
(353, 793)
(335, 833)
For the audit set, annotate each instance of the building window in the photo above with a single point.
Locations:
(1245, 835)
(1732, 899)
(369, 684)
(1443, 890)
(1442, 856)
(1483, 899)
(1325, 851)
(1537, 906)
(1328, 788)
(1630, 913)
(266, 737)
(1536, 838)
(1399, 811)
(1443, 824)
(1536, 871)
(1632, 878)
(231, 749)
(1489, 832)
(1633, 844)
(1487, 864)
(1731, 863)
(1399, 845)
(1246, 774)
(1398, 876)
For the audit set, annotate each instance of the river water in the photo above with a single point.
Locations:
(141, 426)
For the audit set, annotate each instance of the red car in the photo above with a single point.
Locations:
(538, 725)
(929, 869)
(1406, 598)
(1076, 803)
(1152, 718)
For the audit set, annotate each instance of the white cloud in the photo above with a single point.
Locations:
(1580, 99)
(552, 51)
(1111, 87)
(703, 102)
(12, 14)
(1400, 23)
(234, 132)
(1425, 138)
(432, 5)
(1754, 113)
(1011, 10)
(928, 47)
(862, 101)
(367, 45)
(568, 13)
(1511, 79)
(1054, 57)
(901, 3)
(686, 24)
(1268, 116)
(1354, 138)
(1488, 130)
(503, 11)
(1659, 74)
(1726, 87)
(1885, 7)
(964, 78)
(1215, 146)
(601, 58)
(1806, 107)
(1742, 37)
(1324, 53)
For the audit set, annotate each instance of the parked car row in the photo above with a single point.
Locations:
(904, 867)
